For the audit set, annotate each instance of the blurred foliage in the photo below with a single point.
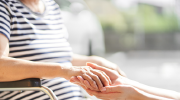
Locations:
(123, 27)
(114, 22)
(146, 18)
(157, 20)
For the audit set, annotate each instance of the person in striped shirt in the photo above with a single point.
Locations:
(33, 44)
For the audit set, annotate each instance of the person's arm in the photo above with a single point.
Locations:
(119, 80)
(125, 92)
(13, 69)
(148, 89)
(118, 92)
(155, 91)
(16, 69)
(81, 60)
(146, 96)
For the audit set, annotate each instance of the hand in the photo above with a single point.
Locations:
(105, 63)
(118, 92)
(116, 79)
(119, 89)
(96, 79)
(113, 75)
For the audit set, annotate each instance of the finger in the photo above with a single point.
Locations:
(90, 81)
(121, 72)
(111, 73)
(95, 66)
(107, 77)
(101, 76)
(88, 85)
(81, 79)
(96, 79)
(83, 86)
(75, 80)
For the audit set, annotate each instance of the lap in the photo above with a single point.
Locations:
(63, 89)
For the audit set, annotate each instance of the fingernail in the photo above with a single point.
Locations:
(103, 89)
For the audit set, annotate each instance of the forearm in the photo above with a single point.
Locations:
(155, 91)
(153, 97)
(141, 95)
(16, 69)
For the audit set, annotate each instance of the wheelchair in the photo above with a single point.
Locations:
(27, 85)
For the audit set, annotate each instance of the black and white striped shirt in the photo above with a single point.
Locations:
(41, 38)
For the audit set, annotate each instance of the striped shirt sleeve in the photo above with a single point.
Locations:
(4, 20)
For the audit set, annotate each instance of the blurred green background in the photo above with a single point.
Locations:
(142, 26)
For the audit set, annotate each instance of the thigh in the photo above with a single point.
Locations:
(62, 88)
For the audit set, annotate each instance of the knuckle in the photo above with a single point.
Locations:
(84, 75)
(98, 73)
(95, 77)
(83, 71)
(104, 73)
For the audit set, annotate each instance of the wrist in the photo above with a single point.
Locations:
(141, 95)
(66, 71)
(74, 71)
(136, 94)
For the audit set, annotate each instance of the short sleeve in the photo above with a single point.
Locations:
(4, 19)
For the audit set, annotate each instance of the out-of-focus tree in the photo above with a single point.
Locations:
(157, 20)
(153, 19)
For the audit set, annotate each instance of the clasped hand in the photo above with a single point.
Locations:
(117, 90)
(91, 81)
(96, 79)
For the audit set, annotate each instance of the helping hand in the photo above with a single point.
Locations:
(95, 78)
(113, 75)
(118, 90)
(105, 63)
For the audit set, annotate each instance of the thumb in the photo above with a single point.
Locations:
(95, 66)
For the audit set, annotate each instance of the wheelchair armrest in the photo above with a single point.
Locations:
(31, 82)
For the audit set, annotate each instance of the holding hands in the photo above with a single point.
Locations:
(96, 79)
(117, 90)
(118, 87)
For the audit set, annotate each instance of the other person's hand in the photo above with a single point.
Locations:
(118, 92)
(105, 63)
(96, 79)
(115, 78)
